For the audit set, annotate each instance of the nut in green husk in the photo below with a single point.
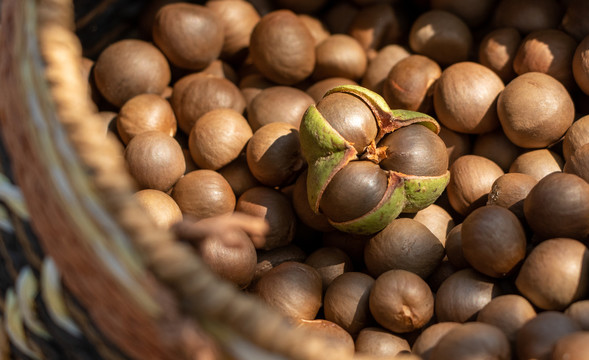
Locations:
(363, 170)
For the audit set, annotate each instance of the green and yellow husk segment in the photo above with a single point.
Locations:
(327, 152)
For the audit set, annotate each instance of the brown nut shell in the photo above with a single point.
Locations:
(497, 147)
(159, 206)
(189, 104)
(409, 84)
(537, 337)
(471, 180)
(537, 163)
(190, 35)
(473, 340)
(401, 301)
(548, 51)
(330, 263)
(203, 194)
(155, 160)
(346, 301)
(527, 15)
(282, 48)
(558, 206)
(292, 288)
(581, 65)
(128, 68)
(555, 274)
(507, 312)
(576, 136)
(218, 137)
(318, 90)
(340, 55)
(510, 191)
(378, 342)
(404, 244)
(276, 209)
(579, 311)
(463, 294)
(145, 112)
(414, 150)
(493, 240)
(380, 65)
(430, 337)
(465, 98)
(338, 340)
(497, 51)
(437, 220)
(278, 104)
(441, 36)
(573, 346)
(274, 154)
(535, 110)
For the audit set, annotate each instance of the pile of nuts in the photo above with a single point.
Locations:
(422, 167)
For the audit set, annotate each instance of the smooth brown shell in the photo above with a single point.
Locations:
(457, 144)
(218, 137)
(159, 206)
(462, 295)
(453, 247)
(414, 150)
(238, 19)
(474, 13)
(527, 15)
(576, 136)
(497, 147)
(235, 261)
(238, 175)
(376, 25)
(145, 112)
(346, 301)
(493, 240)
(497, 51)
(282, 48)
(155, 160)
(377, 342)
(317, 90)
(430, 336)
(472, 340)
(128, 68)
(573, 346)
(274, 154)
(278, 104)
(465, 98)
(535, 110)
(579, 311)
(292, 288)
(190, 35)
(189, 104)
(335, 336)
(403, 244)
(276, 209)
(409, 84)
(537, 163)
(441, 36)
(510, 191)
(350, 117)
(537, 337)
(330, 263)
(381, 64)
(339, 55)
(471, 180)
(269, 259)
(507, 312)
(437, 220)
(578, 164)
(581, 65)
(401, 301)
(204, 193)
(354, 191)
(558, 206)
(555, 274)
(548, 51)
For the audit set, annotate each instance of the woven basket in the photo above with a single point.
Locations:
(131, 290)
